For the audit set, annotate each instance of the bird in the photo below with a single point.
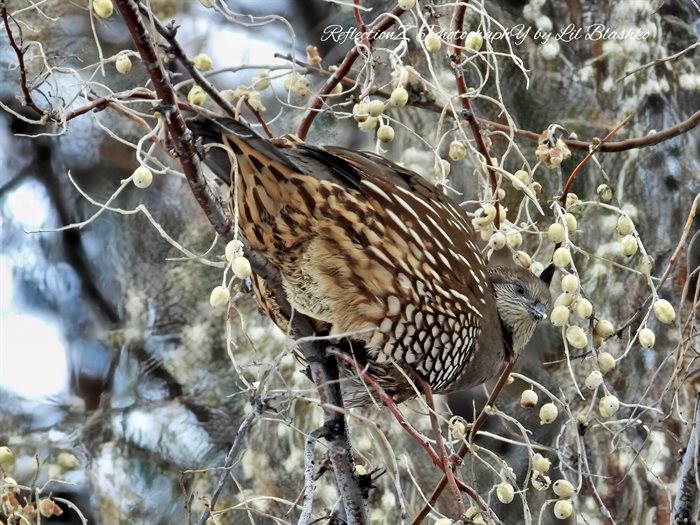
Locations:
(375, 256)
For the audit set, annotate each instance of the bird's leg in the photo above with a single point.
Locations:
(442, 450)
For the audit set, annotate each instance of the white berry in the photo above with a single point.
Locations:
(664, 312)
(608, 406)
(432, 42)
(624, 225)
(142, 177)
(399, 97)
(563, 488)
(103, 8)
(606, 362)
(563, 509)
(561, 257)
(548, 413)
(202, 62)
(241, 267)
(584, 308)
(604, 329)
(123, 64)
(646, 338)
(528, 398)
(559, 315)
(540, 463)
(569, 283)
(628, 245)
(219, 296)
(505, 493)
(407, 4)
(594, 380)
(556, 232)
(385, 133)
(576, 337)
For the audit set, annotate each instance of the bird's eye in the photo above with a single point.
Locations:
(519, 289)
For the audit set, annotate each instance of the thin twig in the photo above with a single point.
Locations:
(474, 428)
(468, 112)
(384, 23)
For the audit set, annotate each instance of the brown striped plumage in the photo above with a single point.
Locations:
(372, 250)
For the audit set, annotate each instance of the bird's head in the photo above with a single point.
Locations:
(522, 300)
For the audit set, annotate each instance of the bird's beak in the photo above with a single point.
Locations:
(538, 311)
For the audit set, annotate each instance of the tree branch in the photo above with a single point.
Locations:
(687, 498)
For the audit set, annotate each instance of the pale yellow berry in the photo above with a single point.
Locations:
(142, 177)
(497, 241)
(646, 338)
(471, 512)
(571, 197)
(569, 283)
(443, 521)
(571, 223)
(628, 245)
(608, 406)
(561, 257)
(564, 299)
(103, 8)
(474, 41)
(196, 96)
(510, 379)
(202, 62)
(522, 259)
(360, 112)
(664, 312)
(261, 81)
(207, 3)
(369, 124)
(123, 64)
(407, 4)
(576, 337)
(375, 107)
(593, 380)
(606, 362)
(583, 308)
(500, 194)
(605, 193)
(233, 249)
(604, 329)
(241, 267)
(505, 493)
(523, 176)
(563, 488)
(624, 225)
(485, 215)
(555, 233)
(432, 42)
(528, 398)
(7, 457)
(385, 133)
(360, 470)
(646, 265)
(563, 509)
(459, 429)
(559, 315)
(540, 481)
(514, 238)
(457, 150)
(399, 97)
(541, 463)
(548, 413)
(219, 296)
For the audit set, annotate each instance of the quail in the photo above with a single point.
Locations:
(377, 256)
